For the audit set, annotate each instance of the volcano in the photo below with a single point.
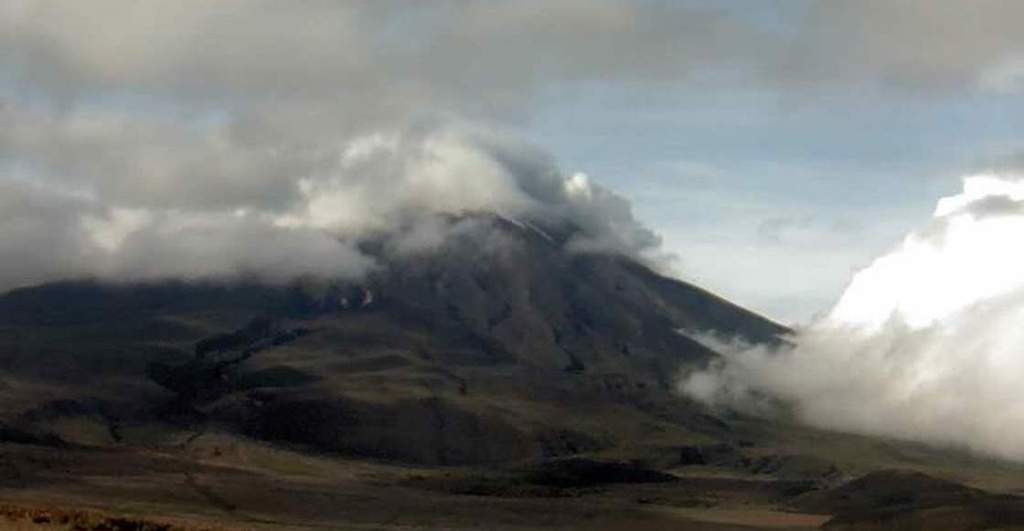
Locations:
(442, 356)
(501, 363)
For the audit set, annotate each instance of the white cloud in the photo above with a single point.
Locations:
(225, 248)
(924, 343)
(404, 184)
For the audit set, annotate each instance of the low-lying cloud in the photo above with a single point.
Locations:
(145, 140)
(404, 184)
(923, 345)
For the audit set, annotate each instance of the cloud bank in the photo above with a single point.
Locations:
(923, 345)
(183, 216)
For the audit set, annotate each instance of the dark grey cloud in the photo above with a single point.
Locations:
(40, 235)
(994, 206)
(916, 45)
(337, 65)
(359, 63)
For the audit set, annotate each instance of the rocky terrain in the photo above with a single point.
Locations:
(496, 381)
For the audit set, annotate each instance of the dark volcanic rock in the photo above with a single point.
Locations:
(257, 329)
(577, 472)
(719, 454)
(432, 431)
(542, 305)
(15, 435)
(206, 377)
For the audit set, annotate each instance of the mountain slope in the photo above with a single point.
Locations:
(497, 345)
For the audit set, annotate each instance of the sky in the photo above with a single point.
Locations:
(776, 148)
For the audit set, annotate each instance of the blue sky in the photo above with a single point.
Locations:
(774, 202)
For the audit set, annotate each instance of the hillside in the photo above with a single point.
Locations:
(498, 366)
